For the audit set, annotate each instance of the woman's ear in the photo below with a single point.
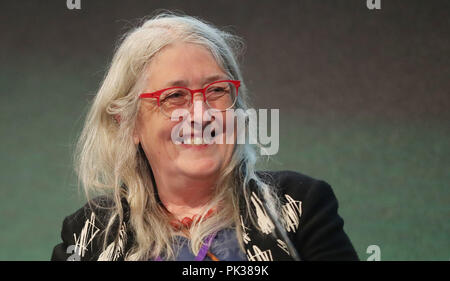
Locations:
(135, 136)
(117, 118)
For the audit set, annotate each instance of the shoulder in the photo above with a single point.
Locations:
(301, 196)
(296, 184)
(82, 232)
(310, 212)
(97, 212)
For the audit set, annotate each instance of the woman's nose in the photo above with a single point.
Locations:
(197, 96)
(197, 111)
(199, 100)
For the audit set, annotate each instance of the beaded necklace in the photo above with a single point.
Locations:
(184, 225)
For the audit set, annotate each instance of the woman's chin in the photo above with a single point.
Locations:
(199, 168)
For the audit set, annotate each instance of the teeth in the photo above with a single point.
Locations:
(198, 140)
(193, 140)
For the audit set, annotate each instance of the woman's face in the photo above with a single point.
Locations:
(192, 66)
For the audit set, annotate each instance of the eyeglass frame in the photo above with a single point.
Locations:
(158, 93)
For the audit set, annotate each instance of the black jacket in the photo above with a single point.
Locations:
(310, 210)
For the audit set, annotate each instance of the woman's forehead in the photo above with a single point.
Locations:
(182, 65)
(182, 54)
(205, 80)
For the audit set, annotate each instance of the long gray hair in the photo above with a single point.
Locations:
(107, 158)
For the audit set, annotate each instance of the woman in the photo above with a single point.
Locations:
(186, 200)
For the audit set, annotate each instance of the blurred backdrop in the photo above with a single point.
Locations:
(364, 98)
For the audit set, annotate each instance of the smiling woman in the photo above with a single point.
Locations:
(164, 200)
(185, 173)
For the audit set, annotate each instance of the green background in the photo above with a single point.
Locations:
(363, 98)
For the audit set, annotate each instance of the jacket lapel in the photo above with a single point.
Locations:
(261, 245)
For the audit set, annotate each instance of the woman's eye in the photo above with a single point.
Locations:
(217, 90)
(174, 95)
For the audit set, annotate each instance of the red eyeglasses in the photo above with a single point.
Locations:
(219, 95)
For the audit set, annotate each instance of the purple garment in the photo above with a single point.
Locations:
(224, 246)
